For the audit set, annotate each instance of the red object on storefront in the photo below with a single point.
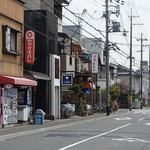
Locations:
(17, 81)
(0, 108)
(29, 47)
(85, 85)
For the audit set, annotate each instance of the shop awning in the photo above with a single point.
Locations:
(80, 49)
(38, 75)
(17, 81)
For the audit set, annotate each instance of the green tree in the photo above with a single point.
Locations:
(114, 91)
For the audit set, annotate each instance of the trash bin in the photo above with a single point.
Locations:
(41, 113)
(37, 119)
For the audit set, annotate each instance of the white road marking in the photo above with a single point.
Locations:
(147, 124)
(144, 112)
(141, 119)
(123, 118)
(93, 137)
(131, 140)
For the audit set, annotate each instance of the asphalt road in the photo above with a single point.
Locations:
(121, 131)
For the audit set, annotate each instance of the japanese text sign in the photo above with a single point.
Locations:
(94, 63)
(29, 47)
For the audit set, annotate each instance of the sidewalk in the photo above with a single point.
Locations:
(52, 123)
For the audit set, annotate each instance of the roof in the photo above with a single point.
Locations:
(79, 48)
(61, 34)
(62, 1)
(37, 75)
(125, 69)
(21, 1)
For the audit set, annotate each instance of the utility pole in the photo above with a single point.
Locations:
(141, 66)
(141, 69)
(130, 94)
(149, 68)
(149, 79)
(130, 83)
(107, 62)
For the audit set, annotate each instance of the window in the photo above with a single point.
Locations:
(9, 39)
(70, 60)
(56, 68)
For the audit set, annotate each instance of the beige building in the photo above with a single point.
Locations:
(11, 37)
(14, 88)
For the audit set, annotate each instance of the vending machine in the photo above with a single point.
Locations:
(24, 104)
(9, 106)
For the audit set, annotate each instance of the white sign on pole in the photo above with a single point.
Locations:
(94, 62)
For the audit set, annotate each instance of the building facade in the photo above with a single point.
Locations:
(13, 86)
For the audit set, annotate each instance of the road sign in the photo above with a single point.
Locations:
(67, 79)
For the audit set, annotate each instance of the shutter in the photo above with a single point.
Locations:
(4, 29)
(7, 39)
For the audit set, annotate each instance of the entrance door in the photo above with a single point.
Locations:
(57, 102)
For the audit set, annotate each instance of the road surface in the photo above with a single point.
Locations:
(126, 131)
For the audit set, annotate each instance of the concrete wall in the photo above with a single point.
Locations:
(39, 5)
(65, 63)
(94, 45)
(55, 87)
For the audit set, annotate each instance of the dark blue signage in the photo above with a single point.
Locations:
(86, 90)
(67, 80)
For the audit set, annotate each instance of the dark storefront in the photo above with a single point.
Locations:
(44, 24)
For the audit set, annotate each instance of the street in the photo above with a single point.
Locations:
(119, 131)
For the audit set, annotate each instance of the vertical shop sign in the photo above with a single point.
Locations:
(29, 47)
(94, 63)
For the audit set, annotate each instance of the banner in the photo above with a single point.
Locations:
(94, 62)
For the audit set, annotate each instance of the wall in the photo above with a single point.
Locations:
(55, 85)
(73, 31)
(39, 5)
(94, 45)
(12, 14)
(65, 63)
(43, 47)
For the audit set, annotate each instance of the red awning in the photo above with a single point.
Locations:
(17, 81)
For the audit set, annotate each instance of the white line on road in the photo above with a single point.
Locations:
(141, 119)
(128, 139)
(93, 137)
(147, 124)
(123, 118)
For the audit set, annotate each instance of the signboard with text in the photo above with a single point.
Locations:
(94, 62)
(67, 79)
(29, 47)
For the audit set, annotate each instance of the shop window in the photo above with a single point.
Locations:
(9, 39)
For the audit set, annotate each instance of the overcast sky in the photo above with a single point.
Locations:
(92, 11)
